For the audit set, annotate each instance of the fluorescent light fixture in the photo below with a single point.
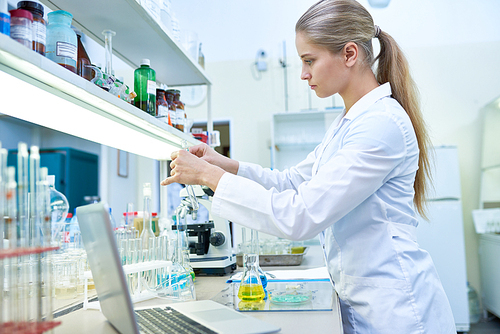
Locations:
(54, 112)
(53, 97)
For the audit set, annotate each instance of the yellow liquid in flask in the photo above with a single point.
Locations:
(251, 293)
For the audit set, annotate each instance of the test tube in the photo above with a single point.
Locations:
(35, 227)
(11, 233)
(3, 165)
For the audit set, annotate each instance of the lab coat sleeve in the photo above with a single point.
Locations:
(369, 155)
(281, 180)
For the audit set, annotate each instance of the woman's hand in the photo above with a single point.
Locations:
(187, 168)
(211, 156)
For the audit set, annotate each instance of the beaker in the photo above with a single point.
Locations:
(66, 275)
(251, 288)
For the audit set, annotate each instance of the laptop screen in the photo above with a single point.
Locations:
(107, 272)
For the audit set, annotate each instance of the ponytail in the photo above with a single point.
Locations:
(393, 68)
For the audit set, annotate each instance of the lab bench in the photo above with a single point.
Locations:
(207, 287)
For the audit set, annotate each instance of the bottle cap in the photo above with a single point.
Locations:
(21, 13)
(31, 6)
(145, 61)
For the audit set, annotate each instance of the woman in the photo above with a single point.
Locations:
(360, 189)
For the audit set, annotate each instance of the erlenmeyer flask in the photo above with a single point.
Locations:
(251, 288)
(255, 249)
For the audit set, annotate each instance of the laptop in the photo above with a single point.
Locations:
(204, 316)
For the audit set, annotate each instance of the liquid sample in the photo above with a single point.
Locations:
(251, 293)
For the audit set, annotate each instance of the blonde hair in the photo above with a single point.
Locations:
(332, 24)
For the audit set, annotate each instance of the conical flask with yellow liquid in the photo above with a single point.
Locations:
(251, 289)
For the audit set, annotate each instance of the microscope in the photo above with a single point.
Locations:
(210, 249)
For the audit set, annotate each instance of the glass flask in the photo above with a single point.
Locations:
(251, 289)
(61, 44)
(255, 249)
(59, 208)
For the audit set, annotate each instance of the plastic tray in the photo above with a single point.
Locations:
(276, 260)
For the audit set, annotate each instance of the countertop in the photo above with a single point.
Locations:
(207, 287)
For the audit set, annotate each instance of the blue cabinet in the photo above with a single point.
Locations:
(76, 172)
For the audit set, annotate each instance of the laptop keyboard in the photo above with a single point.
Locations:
(168, 320)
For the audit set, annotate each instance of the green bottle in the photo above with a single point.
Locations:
(145, 88)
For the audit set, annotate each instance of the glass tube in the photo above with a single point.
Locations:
(11, 233)
(36, 297)
(108, 49)
(23, 278)
(3, 167)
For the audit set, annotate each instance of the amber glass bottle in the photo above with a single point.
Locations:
(39, 25)
(181, 114)
(172, 110)
(83, 59)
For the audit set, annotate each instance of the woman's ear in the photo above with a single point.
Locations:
(350, 54)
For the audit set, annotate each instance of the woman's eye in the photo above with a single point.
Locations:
(308, 62)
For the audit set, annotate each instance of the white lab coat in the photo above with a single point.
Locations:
(356, 190)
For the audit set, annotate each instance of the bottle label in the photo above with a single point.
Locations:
(180, 116)
(151, 89)
(162, 111)
(39, 32)
(67, 50)
(21, 32)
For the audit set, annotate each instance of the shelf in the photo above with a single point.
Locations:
(138, 36)
(14, 252)
(42, 92)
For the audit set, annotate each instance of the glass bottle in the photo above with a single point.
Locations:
(251, 289)
(181, 114)
(59, 208)
(4, 18)
(39, 26)
(83, 68)
(61, 44)
(145, 87)
(172, 110)
(21, 27)
(161, 105)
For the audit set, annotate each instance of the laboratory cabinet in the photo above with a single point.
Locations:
(489, 261)
(76, 172)
(295, 134)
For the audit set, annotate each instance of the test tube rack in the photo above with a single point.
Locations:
(24, 327)
(128, 269)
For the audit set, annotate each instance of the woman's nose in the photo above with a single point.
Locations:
(305, 75)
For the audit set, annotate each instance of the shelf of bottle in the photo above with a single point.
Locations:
(14, 252)
(28, 327)
(138, 36)
(45, 93)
